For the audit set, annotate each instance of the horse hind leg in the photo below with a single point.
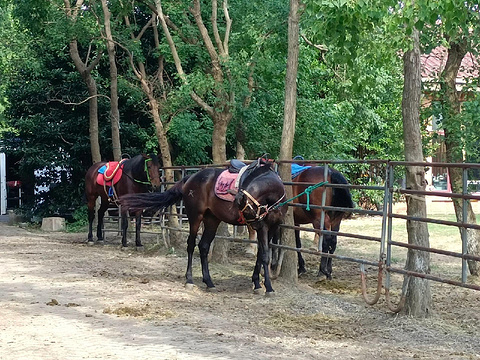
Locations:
(192, 237)
(301, 261)
(329, 246)
(138, 226)
(210, 229)
(100, 216)
(91, 218)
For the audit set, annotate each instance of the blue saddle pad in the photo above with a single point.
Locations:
(298, 169)
(102, 169)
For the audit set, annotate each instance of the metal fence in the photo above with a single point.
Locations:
(383, 180)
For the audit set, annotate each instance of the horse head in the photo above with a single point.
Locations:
(259, 194)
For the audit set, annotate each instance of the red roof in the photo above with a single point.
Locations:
(434, 62)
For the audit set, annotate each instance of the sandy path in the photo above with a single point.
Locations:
(125, 305)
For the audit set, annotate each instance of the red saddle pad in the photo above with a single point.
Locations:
(111, 174)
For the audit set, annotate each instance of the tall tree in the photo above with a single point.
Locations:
(289, 266)
(217, 102)
(114, 112)
(153, 85)
(85, 68)
(459, 29)
(418, 300)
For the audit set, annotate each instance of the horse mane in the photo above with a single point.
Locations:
(136, 165)
(254, 170)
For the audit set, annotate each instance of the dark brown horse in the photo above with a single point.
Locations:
(339, 197)
(138, 175)
(260, 192)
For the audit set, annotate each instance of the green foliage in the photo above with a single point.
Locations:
(348, 99)
(191, 138)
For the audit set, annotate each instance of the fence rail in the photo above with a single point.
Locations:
(386, 176)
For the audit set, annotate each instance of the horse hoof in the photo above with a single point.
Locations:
(258, 291)
(124, 248)
(140, 248)
(100, 242)
(189, 286)
(212, 289)
(270, 294)
(302, 271)
(90, 243)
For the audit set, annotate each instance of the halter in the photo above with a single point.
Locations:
(262, 210)
(148, 182)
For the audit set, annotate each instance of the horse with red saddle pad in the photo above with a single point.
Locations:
(110, 180)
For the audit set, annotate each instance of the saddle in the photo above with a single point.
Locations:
(229, 181)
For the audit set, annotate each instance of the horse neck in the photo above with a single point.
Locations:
(257, 172)
(259, 181)
(135, 167)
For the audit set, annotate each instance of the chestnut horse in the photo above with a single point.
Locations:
(138, 175)
(335, 197)
(257, 203)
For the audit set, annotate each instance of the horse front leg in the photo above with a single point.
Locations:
(256, 273)
(263, 258)
(124, 220)
(91, 218)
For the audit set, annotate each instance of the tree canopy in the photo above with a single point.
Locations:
(348, 93)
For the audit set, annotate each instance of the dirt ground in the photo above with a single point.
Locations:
(62, 299)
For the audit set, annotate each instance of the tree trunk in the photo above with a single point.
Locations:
(219, 142)
(220, 112)
(176, 238)
(114, 113)
(452, 125)
(289, 266)
(86, 74)
(418, 297)
(87, 77)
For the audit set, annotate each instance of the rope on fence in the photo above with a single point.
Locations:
(307, 191)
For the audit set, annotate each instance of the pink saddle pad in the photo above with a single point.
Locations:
(225, 182)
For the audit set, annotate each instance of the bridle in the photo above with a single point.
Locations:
(147, 173)
(261, 210)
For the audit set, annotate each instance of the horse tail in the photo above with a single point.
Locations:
(154, 201)
(341, 197)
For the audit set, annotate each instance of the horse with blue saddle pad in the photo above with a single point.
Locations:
(110, 180)
(308, 189)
